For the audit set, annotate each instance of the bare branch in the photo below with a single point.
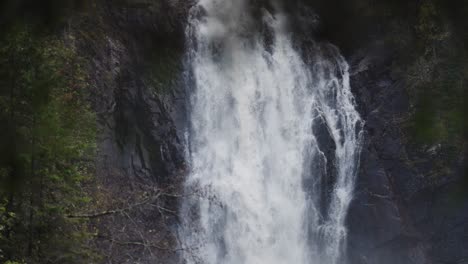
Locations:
(114, 211)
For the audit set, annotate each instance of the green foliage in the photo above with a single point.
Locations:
(428, 46)
(47, 147)
(430, 25)
(438, 78)
(429, 41)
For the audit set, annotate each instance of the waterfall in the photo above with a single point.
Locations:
(257, 191)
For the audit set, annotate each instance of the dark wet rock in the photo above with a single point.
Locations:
(401, 213)
(141, 123)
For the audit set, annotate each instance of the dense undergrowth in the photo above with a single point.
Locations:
(47, 140)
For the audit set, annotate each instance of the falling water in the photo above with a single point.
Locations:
(257, 191)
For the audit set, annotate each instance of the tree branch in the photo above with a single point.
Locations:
(115, 211)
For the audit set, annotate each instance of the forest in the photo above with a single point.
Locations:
(51, 125)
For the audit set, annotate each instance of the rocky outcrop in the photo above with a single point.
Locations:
(141, 117)
(407, 208)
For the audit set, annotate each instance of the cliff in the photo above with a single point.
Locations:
(406, 208)
(136, 56)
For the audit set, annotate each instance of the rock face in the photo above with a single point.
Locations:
(406, 210)
(137, 114)
(140, 161)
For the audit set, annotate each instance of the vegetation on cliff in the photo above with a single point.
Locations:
(46, 144)
(54, 208)
(48, 129)
(426, 47)
(430, 47)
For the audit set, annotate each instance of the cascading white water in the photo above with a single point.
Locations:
(254, 107)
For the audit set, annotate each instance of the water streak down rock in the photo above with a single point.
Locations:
(263, 189)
